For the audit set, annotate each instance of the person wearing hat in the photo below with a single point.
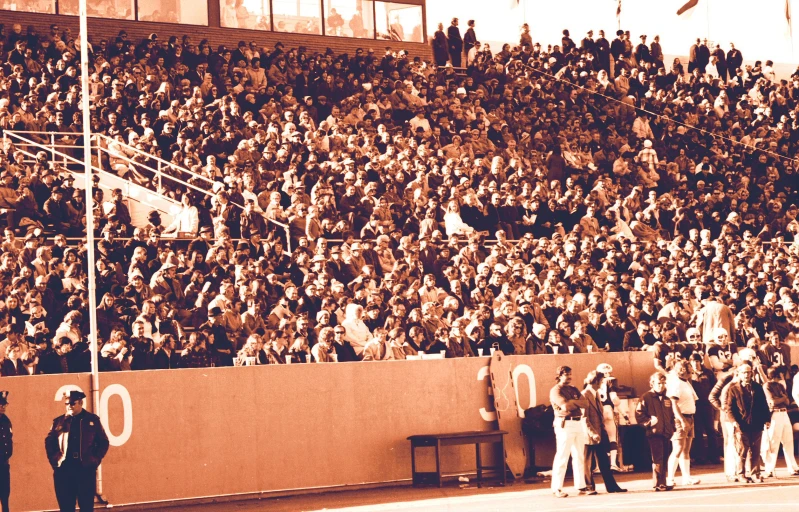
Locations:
(75, 446)
(6, 450)
(218, 343)
(567, 403)
(203, 242)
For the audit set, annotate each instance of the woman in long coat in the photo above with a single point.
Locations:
(440, 47)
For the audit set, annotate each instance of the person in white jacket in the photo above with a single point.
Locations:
(358, 334)
(187, 221)
(454, 223)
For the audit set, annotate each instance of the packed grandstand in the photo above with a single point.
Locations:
(547, 198)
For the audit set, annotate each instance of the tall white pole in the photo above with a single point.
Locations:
(87, 177)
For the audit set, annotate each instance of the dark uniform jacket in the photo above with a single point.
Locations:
(93, 440)
(659, 406)
(6, 443)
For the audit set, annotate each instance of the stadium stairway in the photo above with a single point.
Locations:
(61, 149)
(153, 177)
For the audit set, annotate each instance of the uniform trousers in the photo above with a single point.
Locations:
(570, 440)
(5, 485)
(73, 482)
(779, 432)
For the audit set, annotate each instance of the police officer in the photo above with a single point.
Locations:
(75, 445)
(6, 450)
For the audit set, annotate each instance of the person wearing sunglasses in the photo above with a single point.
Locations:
(76, 445)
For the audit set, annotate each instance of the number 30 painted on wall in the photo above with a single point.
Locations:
(521, 369)
(108, 392)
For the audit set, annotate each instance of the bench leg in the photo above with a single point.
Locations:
(479, 466)
(504, 469)
(438, 461)
(413, 464)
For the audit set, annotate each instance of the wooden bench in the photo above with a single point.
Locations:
(453, 439)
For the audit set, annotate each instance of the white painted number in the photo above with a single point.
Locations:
(127, 413)
(487, 415)
(521, 369)
(525, 370)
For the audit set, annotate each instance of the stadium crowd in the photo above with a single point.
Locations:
(561, 198)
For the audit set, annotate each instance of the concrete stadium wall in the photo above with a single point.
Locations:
(183, 434)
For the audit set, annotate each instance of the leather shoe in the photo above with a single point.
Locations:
(586, 491)
(560, 494)
(618, 490)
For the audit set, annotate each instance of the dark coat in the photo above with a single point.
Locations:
(93, 439)
(455, 39)
(651, 405)
(440, 48)
(750, 415)
(6, 440)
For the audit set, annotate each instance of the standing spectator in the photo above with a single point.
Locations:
(469, 39)
(455, 43)
(713, 314)
(440, 47)
(721, 62)
(526, 40)
(734, 59)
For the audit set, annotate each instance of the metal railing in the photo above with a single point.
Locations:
(162, 170)
(163, 166)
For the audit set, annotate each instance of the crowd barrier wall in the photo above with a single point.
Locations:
(183, 434)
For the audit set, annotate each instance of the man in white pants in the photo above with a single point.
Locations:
(683, 400)
(716, 399)
(780, 431)
(567, 403)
